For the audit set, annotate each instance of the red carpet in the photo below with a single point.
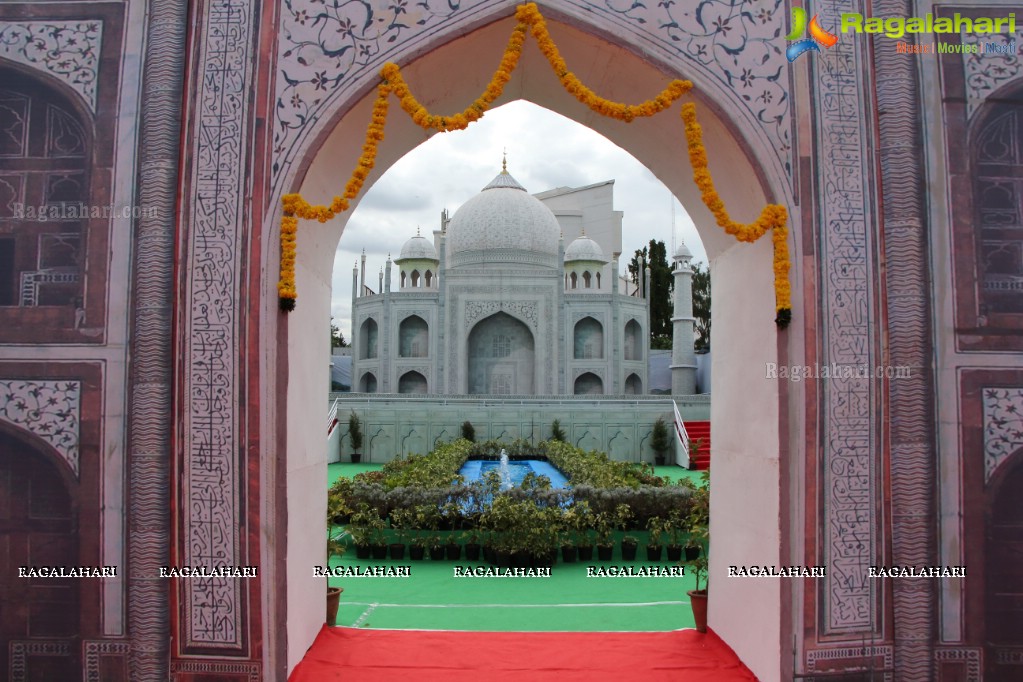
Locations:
(369, 655)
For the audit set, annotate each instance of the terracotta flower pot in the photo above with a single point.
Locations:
(698, 600)
(333, 602)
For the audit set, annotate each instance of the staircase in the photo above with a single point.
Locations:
(698, 431)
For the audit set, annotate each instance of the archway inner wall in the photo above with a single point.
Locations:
(745, 409)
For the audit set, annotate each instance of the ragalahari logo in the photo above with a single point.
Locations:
(818, 36)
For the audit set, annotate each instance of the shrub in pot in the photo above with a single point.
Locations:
(623, 515)
(360, 530)
(655, 527)
(659, 441)
(400, 524)
(355, 434)
(335, 548)
(698, 596)
(604, 531)
(471, 537)
(673, 526)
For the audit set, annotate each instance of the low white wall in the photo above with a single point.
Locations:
(400, 424)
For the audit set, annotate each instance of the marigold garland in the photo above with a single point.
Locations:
(529, 21)
(773, 217)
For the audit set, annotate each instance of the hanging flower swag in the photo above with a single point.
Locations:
(773, 217)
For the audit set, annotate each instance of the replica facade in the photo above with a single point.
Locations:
(497, 305)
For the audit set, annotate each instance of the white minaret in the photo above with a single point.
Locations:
(683, 358)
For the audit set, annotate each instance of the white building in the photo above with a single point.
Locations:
(498, 303)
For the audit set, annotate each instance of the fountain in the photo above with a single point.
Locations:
(505, 471)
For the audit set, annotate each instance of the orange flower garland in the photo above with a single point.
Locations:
(529, 20)
(773, 217)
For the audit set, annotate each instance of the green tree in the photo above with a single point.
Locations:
(337, 339)
(701, 305)
(662, 283)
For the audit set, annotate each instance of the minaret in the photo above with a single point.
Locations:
(683, 358)
(362, 279)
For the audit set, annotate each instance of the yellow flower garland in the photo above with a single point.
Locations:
(773, 217)
(529, 21)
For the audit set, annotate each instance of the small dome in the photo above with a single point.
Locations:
(584, 249)
(417, 248)
(682, 251)
(503, 218)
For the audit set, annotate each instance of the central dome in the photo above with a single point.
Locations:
(503, 222)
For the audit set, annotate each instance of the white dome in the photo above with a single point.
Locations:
(682, 251)
(584, 249)
(500, 221)
(417, 248)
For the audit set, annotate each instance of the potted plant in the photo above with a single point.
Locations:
(452, 516)
(420, 523)
(377, 535)
(604, 531)
(401, 520)
(659, 441)
(336, 547)
(655, 527)
(471, 538)
(468, 432)
(566, 535)
(698, 520)
(359, 530)
(699, 523)
(673, 527)
(582, 526)
(694, 450)
(623, 514)
(355, 434)
(698, 596)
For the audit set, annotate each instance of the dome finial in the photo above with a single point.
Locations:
(504, 162)
(417, 231)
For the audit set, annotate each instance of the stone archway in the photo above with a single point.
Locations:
(742, 272)
(501, 357)
(1003, 572)
(40, 627)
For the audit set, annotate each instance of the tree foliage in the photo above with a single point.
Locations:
(337, 339)
(701, 305)
(662, 283)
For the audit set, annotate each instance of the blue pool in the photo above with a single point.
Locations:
(473, 470)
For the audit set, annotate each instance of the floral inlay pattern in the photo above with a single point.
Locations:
(69, 51)
(326, 45)
(48, 409)
(987, 71)
(1003, 426)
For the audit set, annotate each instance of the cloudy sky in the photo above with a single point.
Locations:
(545, 150)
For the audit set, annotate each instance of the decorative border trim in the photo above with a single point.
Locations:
(20, 650)
(93, 651)
(850, 472)
(251, 671)
(852, 653)
(972, 659)
(48, 409)
(211, 485)
(68, 51)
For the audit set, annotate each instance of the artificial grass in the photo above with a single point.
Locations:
(432, 598)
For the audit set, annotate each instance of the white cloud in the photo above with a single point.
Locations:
(545, 150)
